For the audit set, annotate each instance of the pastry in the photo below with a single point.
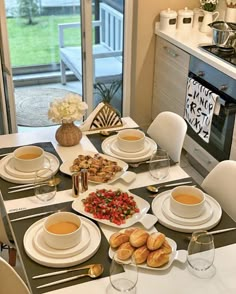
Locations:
(138, 238)
(129, 231)
(125, 251)
(117, 239)
(155, 240)
(165, 247)
(157, 258)
(140, 255)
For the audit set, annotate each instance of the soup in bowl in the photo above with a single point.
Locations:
(187, 201)
(130, 140)
(62, 230)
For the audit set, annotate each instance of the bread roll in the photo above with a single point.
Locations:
(155, 240)
(129, 231)
(165, 247)
(138, 238)
(125, 251)
(157, 258)
(117, 239)
(140, 255)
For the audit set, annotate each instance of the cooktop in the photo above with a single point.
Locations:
(226, 54)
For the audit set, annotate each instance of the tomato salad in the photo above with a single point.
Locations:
(115, 206)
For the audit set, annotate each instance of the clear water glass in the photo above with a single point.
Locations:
(159, 168)
(201, 253)
(44, 189)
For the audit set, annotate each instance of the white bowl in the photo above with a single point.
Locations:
(181, 198)
(62, 241)
(28, 158)
(131, 140)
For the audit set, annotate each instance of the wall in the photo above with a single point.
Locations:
(146, 15)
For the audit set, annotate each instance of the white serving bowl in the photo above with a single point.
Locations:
(131, 140)
(181, 198)
(28, 158)
(62, 241)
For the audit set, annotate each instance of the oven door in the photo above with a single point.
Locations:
(222, 126)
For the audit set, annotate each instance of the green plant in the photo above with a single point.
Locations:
(107, 92)
(209, 5)
(28, 9)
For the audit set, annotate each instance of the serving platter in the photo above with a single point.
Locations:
(157, 209)
(108, 146)
(10, 174)
(56, 262)
(65, 166)
(146, 219)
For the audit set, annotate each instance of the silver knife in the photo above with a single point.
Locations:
(32, 215)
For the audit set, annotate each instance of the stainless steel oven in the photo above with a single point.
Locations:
(222, 126)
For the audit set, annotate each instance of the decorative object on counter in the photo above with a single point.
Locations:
(185, 20)
(230, 13)
(107, 93)
(197, 18)
(168, 20)
(67, 110)
(210, 15)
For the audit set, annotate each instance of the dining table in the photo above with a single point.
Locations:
(174, 279)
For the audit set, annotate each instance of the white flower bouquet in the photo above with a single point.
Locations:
(209, 5)
(70, 108)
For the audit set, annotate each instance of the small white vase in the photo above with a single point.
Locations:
(208, 18)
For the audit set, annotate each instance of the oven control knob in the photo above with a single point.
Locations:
(223, 88)
(201, 73)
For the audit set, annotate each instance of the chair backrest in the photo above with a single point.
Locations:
(3, 235)
(11, 282)
(168, 130)
(220, 183)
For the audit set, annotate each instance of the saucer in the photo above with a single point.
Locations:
(115, 149)
(108, 143)
(18, 177)
(42, 246)
(201, 219)
(56, 262)
(212, 222)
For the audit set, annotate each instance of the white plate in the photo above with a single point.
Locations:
(141, 217)
(10, 169)
(42, 259)
(54, 165)
(106, 148)
(179, 255)
(115, 149)
(65, 167)
(42, 246)
(201, 219)
(212, 222)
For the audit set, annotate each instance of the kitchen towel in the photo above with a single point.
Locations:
(200, 105)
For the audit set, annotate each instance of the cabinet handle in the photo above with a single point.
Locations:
(201, 73)
(170, 51)
(223, 88)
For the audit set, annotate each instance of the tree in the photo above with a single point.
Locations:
(28, 9)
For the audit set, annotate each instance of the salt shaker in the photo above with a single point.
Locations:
(84, 179)
(75, 184)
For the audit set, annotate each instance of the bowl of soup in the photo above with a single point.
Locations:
(130, 140)
(28, 158)
(62, 230)
(187, 201)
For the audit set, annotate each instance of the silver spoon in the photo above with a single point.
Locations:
(154, 189)
(94, 272)
(52, 182)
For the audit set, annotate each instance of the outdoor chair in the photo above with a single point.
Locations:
(107, 53)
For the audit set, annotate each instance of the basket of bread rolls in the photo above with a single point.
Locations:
(150, 249)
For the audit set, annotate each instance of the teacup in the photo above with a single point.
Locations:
(28, 158)
(62, 230)
(187, 201)
(131, 140)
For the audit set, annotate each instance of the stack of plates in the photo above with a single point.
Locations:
(37, 249)
(207, 220)
(10, 174)
(109, 147)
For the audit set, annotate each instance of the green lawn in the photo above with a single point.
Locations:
(38, 44)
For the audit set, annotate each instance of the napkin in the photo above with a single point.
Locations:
(103, 116)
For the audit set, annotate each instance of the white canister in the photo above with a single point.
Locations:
(185, 19)
(230, 14)
(197, 18)
(168, 19)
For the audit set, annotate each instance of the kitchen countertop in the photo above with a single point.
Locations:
(190, 43)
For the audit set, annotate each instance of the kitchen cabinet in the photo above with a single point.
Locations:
(170, 78)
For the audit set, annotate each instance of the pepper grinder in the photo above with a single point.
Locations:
(75, 184)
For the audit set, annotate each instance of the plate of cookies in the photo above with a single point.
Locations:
(152, 251)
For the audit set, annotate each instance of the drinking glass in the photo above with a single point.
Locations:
(160, 165)
(201, 253)
(123, 275)
(45, 189)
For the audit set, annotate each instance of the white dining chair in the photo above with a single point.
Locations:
(168, 130)
(11, 282)
(220, 183)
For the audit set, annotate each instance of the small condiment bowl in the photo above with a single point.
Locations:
(187, 201)
(62, 240)
(130, 140)
(28, 158)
